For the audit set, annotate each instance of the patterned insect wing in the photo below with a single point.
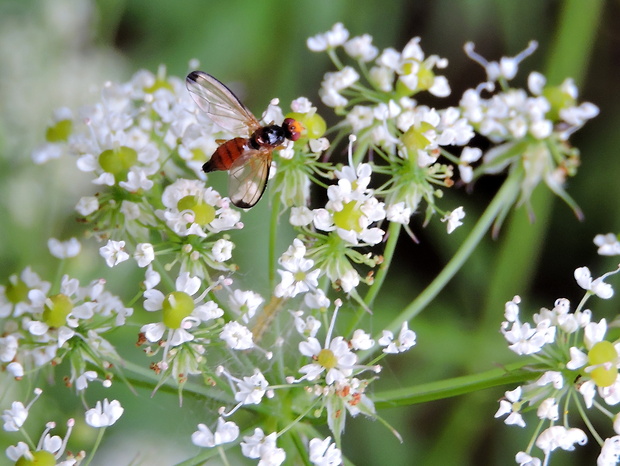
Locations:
(220, 104)
(247, 177)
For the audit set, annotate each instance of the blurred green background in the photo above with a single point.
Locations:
(59, 52)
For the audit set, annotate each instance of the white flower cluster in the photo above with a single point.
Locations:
(349, 217)
(41, 328)
(591, 368)
(335, 371)
(409, 67)
(351, 208)
(141, 134)
(332, 376)
(51, 448)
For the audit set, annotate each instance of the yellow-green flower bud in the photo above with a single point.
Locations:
(16, 292)
(203, 213)
(558, 99)
(177, 306)
(60, 132)
(159, 84)
(56, 310)
(414, 137)
(40, 458)
(349, 217)
(118, 161)
(601, 353)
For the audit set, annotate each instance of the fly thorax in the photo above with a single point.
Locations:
(270, 136)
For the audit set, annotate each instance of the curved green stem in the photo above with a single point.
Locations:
(510, 374)
(96, 447)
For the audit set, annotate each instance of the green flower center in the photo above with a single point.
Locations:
(415, 139)
(601, 353)
(56, 310)
(327, 359)
(177, 306)
(425, 76)
(159, 84)
(59, 132)
(40, 458)
(16, 292)
(558, 99)
(118, 161)
(349, 217)
(198, 155)
(203, 213)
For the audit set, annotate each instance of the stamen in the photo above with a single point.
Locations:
(352, 139)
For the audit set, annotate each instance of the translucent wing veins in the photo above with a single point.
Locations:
(220, 104)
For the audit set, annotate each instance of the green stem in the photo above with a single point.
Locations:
(273, 237)
(510, 374)
(191, 387)
(504, 196)
(97, 443)
(388, 254)
(59, 273)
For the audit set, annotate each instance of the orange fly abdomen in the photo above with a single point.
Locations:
(226, 154)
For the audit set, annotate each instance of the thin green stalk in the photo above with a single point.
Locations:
(504, 196)
(273, 238)
(388, 254)
(59, 273)
(514, 373)
(94, 449)
(191, 387)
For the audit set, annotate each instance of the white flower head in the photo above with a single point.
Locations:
(64, 249)
(193, 209)
(335, 37)
(264, 447)
(361, 340)
(15, 417)
(523, 459)
(114, 253)
(361, 48)
(252, 389)
(222, 250)
(245, 303)
(307, 327)
(406, 339)
(610, 453)
(560, 437)
(87, 205)
(104, 415)
(454, 219)
(144, 254)
(598, 286)
(511, 405)
(548, 409)
(297, 276)
(226, 432)
(237, 336)
(608, 245)
(335, 360)
(324, 452)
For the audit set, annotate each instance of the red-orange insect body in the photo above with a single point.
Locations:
(265, 137)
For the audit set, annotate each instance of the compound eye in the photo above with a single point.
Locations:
(292, 129)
